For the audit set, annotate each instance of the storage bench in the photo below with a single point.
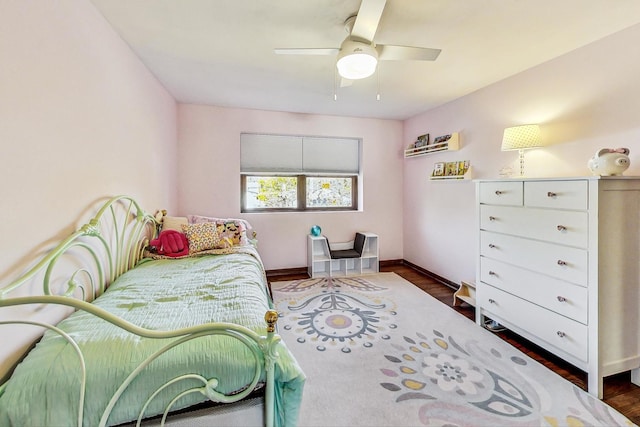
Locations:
(321, 264)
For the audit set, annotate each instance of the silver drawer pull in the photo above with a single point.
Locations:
(562, 228)
(499, 193)
(492, 218)
(552, 194)
(492, 273)
(561, 298)
(492, 301)
(561, 334)
(561, 262)
(492, 246)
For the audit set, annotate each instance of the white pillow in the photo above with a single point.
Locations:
(174, 223)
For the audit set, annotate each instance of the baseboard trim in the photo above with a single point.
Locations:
(391, 262)
(387, 263)
(286, 271)
(431, 274)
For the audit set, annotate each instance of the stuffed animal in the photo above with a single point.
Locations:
(160, 214)
(610, 161)
(171, 243)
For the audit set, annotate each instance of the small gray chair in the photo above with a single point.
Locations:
(356, 252)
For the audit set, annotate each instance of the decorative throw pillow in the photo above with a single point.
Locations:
(174, 222)
(201, 236)
(196, 219)
(232, 231)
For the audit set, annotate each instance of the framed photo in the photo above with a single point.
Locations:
(422, 140)
(451, 169)
(438, 169)
(441, 140)
(463, 167)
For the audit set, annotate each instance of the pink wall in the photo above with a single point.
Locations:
(585, 100)
(80, 118)
(209, 177)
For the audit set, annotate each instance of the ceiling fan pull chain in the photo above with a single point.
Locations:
(335, 84)
(378, 83)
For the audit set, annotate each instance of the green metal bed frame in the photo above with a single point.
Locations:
(113, 252)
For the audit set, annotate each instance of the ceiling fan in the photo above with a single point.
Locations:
(358, 55)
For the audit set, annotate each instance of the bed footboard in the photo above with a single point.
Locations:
(263, 348)
(271, 354)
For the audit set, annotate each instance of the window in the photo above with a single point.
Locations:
(270, 192)
(330, 192)
(300, 192)
(289, 173)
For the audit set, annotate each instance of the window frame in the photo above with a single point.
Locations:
(301, 186)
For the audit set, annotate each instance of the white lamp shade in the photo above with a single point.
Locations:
(356, 60)
(521, 137)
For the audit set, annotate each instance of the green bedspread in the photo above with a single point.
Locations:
(159, 295)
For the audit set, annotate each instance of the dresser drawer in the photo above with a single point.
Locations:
(562, 297)
(557, 194)
(562, 262)
(558, 331)
(501, 193)
(563, 227)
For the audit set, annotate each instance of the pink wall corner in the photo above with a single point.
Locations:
(209, 177)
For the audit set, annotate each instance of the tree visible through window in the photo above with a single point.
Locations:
(300, 192)
(329, 192)
(269, 192)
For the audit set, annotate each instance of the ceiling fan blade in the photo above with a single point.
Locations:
(307, 51)
(367, 20)
(390, 52)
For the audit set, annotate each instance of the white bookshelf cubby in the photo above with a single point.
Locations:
(320, 263)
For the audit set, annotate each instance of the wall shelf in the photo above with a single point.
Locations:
(465, 177)
(451, 144)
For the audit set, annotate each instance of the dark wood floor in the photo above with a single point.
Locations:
(619, 392)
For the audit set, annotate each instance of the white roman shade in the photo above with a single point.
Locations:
(298, 154)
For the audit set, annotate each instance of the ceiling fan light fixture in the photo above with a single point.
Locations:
(356, 60)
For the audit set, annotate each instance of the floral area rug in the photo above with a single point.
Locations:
(378, 351)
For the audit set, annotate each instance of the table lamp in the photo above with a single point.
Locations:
(521, 138)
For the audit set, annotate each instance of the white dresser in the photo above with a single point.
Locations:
(559, 264)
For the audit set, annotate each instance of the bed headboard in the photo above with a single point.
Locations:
(85, 263)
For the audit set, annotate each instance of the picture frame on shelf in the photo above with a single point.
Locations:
(441, 140)
(438, 169)
(463, 167)
(451, 169)
(422, 141)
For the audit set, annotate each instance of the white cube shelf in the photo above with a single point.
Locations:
(320, 264)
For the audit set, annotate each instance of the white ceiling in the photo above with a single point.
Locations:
(220, 52)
